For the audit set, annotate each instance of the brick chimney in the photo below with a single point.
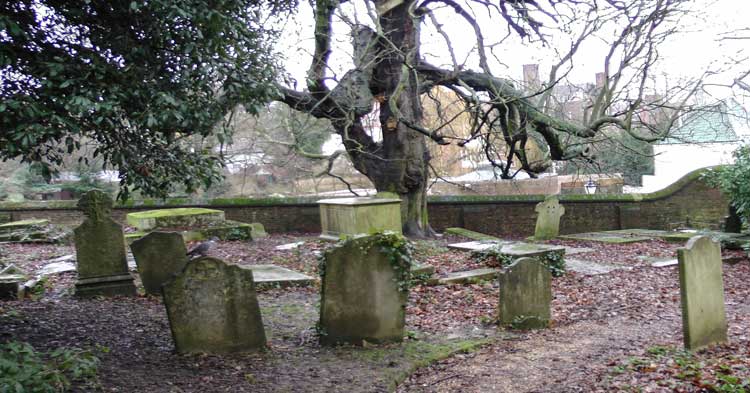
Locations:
(531, 76)
(601, 78)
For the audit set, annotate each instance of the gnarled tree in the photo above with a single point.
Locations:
(388, 77)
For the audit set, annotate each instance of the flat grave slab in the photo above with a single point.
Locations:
(577, 250)
(519, 249)
(23, 224)
(422, 268)
(476, 245)
(589, 268)
(469, 276)
(469, 234)
(288, 246)
(277, 276)
(607, 237)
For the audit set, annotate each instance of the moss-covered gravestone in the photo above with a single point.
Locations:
(702, 293)
(212, 308)
(548, 218)
(365, 289)
(159, 256)
(100, 250)
(525, 295)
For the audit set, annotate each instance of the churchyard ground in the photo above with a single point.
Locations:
(620, 330)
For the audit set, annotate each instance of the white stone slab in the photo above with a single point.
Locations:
(588, 268)
(55, 268)
(272, 275)
(469, 276)
(288, 246)
(477, 245)
(577, 250)
(665, 262)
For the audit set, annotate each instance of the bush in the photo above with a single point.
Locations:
(22, 369)
(734, 181)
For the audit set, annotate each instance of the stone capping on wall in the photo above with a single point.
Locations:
(313, 201)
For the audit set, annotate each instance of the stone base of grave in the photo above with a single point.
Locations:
(120, 285)
(11, 287)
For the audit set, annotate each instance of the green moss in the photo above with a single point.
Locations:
(183, 211)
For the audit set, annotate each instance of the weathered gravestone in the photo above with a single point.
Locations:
(363, 215)
(702, 293)
(548, 218)
(364, 294)
(100, 250)
(159, 256)
(212, 308)
(525, 295)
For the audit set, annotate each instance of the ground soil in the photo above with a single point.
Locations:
(601, 323)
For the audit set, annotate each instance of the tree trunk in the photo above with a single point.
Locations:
(401, 162)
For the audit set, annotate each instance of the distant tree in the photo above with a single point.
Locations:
(617, 153)
(135, 79)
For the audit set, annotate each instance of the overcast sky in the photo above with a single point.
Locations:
(686, 54)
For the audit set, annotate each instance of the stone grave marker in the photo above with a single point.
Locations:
(702, 293)
(363, 296)
(212, 308)
(362, 215)
(100, 250)
(159, 255)
(525, 295)
(548, 218)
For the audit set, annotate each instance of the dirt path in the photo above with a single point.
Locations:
(565, 359)
(580, 356)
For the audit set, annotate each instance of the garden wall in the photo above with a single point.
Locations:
(687, 202)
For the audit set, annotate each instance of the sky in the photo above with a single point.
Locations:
(696, 48)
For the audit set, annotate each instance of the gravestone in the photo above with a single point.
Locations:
(159, 255)
(702, 293)
(525, 295)
(363, 296)
(212, 308)
(363, 215)
(548, 218)
(100, 250)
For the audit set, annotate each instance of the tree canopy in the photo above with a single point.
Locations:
(130, 80)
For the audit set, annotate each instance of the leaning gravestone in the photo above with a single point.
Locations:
(548, 218)
(702, 293)
(525, 295)
(363, 294)
(159, 256)
(212, 308)
(100, 250)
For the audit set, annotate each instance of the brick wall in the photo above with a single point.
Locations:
(688, 201)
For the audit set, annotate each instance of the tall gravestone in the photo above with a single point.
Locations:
(548, 218)
(159, 256)
(100, 250)
(702, 293)
(525, 295)
(212, 307)
(363, 296)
